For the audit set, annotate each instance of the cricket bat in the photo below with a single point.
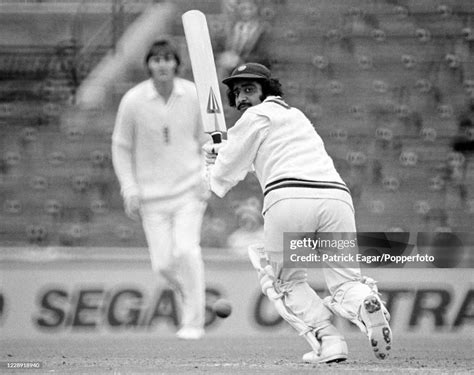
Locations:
(204, 72)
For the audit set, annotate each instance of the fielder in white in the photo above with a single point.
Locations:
(156, 152)
(303, 193)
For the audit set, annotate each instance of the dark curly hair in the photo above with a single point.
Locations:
(269, 87)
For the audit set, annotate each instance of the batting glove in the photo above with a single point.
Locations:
(211, 150)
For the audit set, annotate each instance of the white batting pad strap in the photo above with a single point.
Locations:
(371, 283)
(348, 298)
(273, 295)
(267, 281)
(337, 309)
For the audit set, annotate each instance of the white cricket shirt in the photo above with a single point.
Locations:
(156, 146)
(287, 154)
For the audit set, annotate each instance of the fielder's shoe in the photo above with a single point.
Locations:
(190, 333)
(333, 349)
(375, 317)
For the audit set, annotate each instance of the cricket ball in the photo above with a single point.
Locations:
(222, 308)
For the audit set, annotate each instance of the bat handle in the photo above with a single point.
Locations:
(216, 137)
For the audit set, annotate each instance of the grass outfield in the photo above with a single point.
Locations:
(264, 354)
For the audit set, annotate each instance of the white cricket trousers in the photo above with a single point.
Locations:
(173, 236)
(314, 215)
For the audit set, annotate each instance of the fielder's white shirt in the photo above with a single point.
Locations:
(288, 156)
(156, 145)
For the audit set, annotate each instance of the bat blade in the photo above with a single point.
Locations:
(204, 71)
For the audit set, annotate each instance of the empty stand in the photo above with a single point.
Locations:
(385, 83)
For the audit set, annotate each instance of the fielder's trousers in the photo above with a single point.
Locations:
(173, 233)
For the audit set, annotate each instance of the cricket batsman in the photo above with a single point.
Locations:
(303, 192)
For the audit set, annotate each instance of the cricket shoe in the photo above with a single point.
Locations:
(375, 317)
(333, 349)
(190, 333)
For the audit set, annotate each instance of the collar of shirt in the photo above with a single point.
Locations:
(270, 97)
(152, 93)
